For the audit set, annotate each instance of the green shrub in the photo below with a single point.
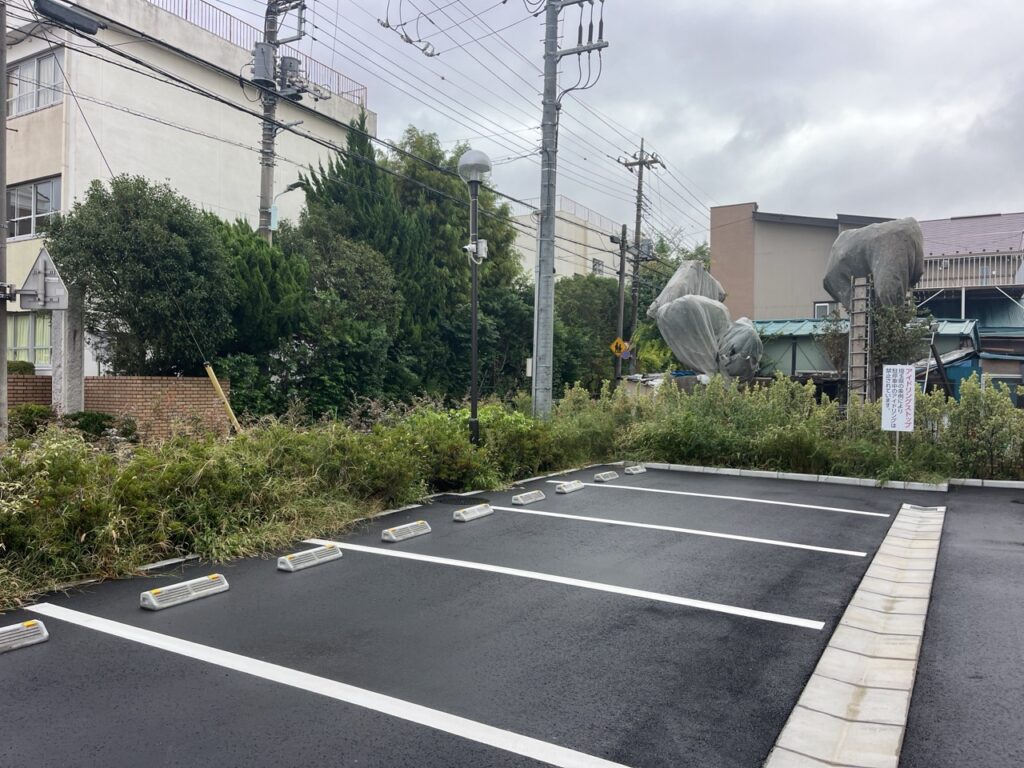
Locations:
(91, 423)
(20, 368)
(71, 508)
(515, 444)
(26, 419)
(448, 459)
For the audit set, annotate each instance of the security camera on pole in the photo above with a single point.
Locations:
(474, 165)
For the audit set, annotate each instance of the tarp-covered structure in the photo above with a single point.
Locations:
(697, 328)
(892, 253)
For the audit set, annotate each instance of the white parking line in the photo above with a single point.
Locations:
(732, 498)
(732, 610)
(691, 531)
(552, 754)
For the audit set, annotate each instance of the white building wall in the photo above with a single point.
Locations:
(206, 150)
(581, 236)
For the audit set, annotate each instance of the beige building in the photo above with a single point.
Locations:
(75, 107)
(773, 265)
(582, 244)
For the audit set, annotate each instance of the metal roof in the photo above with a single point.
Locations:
(993, 233)
(791, 327)
(817, 221)
(814, 327)
(1009, 331)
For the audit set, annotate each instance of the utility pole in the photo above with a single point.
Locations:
(277, 78)
(269, 128)
(3, 222)
(640, 161)
(622, 299)
(544, 302)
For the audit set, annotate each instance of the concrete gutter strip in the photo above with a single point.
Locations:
(865, 482)
(1016, 484)
(853, 712)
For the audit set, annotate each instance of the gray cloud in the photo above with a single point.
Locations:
(884, 107)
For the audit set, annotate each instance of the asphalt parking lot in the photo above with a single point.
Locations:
(967, 705)
(660, 619)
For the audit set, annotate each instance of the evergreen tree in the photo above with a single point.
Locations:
(269, 292)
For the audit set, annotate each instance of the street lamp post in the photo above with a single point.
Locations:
(473, 166)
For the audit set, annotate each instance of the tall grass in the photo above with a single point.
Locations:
(70, 509)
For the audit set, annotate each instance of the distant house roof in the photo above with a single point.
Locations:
(988, 233)
(817, 221)
(992, 233)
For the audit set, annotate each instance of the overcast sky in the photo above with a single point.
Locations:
(813, 107)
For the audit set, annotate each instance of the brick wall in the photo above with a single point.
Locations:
(23, 389)
(160, 405)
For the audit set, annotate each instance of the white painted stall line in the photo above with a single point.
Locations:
(552, 754)
(732, 610)
(735, 498)
(688, 531)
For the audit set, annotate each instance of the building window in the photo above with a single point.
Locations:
(28, 337)
(31, 206)
(596, 267)
(822, 309)
(34, 83)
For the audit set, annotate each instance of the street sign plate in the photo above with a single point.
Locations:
(43, 288)
(619, 347)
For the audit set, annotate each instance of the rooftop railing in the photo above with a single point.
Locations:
(225, 26)
(974, 271)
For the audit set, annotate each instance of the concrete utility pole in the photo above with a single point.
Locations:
(640, 161)
(269, 131)
(622, 299)
(277, 79)
(3, 222)
(544, 302)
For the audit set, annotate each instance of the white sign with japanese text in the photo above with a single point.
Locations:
(898, 387)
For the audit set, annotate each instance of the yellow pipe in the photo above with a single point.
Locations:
(223, 397)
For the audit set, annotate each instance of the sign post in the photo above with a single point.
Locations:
(898, 400)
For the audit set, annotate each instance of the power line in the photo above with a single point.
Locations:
(179, 82)
(586, 175)
(185, 85)
(67, 82)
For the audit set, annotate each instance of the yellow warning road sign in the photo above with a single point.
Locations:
(618, 347)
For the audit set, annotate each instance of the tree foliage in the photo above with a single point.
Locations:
(586, 311)
(269, 289)
(901, 335)
(412, 208)
(154, 274)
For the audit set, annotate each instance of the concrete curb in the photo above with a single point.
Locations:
(974, 483)
(853, 711)
(833, 479)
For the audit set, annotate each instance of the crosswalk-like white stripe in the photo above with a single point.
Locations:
(606, 486)
(545, 752)
(690, 531)
(688, 602)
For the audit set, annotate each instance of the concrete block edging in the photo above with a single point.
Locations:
(865, 482)
(853, 711)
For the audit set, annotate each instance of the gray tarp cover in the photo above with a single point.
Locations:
(892, 252)
(740, 350)
(692, 327)
(690, 279)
